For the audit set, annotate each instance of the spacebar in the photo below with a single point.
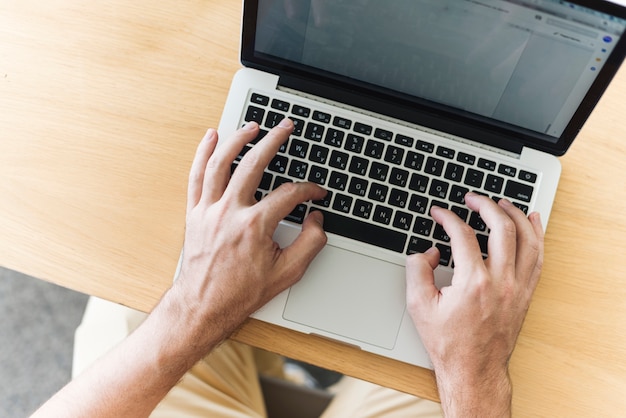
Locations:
(364, 232)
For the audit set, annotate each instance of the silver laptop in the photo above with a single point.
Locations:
(401, 105)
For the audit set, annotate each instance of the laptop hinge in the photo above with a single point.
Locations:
(400, 110)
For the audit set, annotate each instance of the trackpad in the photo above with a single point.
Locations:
(352, 295)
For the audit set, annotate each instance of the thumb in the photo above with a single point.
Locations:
(298, 255)
(420, 279)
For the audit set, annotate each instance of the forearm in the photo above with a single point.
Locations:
(133, 377)
(484, 395)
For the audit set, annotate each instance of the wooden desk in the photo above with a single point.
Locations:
(101, 107)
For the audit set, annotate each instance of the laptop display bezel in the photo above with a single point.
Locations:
(422, 112)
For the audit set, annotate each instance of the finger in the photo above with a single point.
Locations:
(420, 280)
(280, 202)
(465, 248)
(217, 173)
(529, 244)
(296, 258)
(198, 167)
(502, 243)
(247, 177)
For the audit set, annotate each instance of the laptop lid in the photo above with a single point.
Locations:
(505, 73)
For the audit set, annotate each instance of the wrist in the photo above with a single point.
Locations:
(474, 392)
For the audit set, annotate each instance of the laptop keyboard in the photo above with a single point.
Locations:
(381, 184)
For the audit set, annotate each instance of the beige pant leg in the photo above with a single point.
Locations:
(223, 384)
(357, 398)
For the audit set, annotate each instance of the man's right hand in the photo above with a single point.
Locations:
(470, 327)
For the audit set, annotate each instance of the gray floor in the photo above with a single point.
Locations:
(37, 323)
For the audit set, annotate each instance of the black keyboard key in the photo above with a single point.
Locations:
(301, 111)
(254, 114)
(521, 207)
(474, 178)
(334, 137)
(338, 181)
(414, 160)
(494, 183)
(466, 158)
(259, 99)
(342, 203)
(445, 254)
(325, 202)
(482, 242)
(374, 149)
(440, 234)
(298, 214)
(423, 226)
(260, 136)
(383, 134)
(318, 154)
(318, 175)
(363, 129)
(454, 172)
(273, 119)
(298, 169)
(439, 204)
(518, 191)
(378, 192)
(354, 143)
(457, 194)
(362, 209)
(403, 220)
(460, 212)
(398, 198)
(358, 186)
(445, 152)
(278, 164)
(418, 183)
(379, 171)
(399, 177)
(364, 232)
(342, 123)
(266, 181)
(527, 176)
(418, 204)
(486, 164)
(298, 148)
(382, 214)
(321, 117)
(477, 222)
(425, 146)
(394, 155)
(358, 165)
(507, 170)
(434, 166)
(404, 140)
(298, 126)
(280, 105)
(438, 189)
(418, 245)
(279, 181)
(338, 160)
(314, 132)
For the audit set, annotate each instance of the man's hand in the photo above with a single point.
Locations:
(231, 265)
(470, 327)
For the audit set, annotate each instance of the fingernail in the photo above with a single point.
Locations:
(286, 123)
(250, 125)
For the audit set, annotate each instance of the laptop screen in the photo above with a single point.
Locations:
(519, 65)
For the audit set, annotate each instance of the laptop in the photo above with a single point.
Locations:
(401, 105)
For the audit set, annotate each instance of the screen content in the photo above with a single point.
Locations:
(524, 63)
